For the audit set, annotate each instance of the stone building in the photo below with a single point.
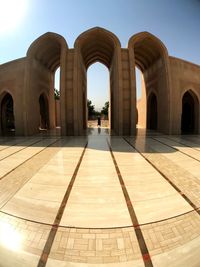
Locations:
(170, 92)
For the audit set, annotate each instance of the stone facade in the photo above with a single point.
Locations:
(170, 95)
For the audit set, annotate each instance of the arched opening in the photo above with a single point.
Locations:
(98, 45)
(190, 110)
(149, 58)
(48, 53)
(7, 115)
(152, 116)
(97, 95)
(57, 97)
(44, 112)
(140, 98)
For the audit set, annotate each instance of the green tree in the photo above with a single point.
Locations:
(56, 93)
(91, 109)
(104, 110)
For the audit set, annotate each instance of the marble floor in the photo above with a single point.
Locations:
(100, 200)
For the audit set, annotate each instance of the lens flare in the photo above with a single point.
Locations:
(12, 13)
(9, 237)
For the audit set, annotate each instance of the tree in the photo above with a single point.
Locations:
(91, 110)
(104, 110)
(56, 94)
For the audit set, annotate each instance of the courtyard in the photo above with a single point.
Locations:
(99, 133)
(100, 200)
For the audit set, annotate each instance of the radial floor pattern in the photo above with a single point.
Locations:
(100, 200)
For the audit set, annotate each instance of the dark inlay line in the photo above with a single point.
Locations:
(195, 139)
(141, 241)
(6, 143)
(184, 144)
(48, 245)
(4, 203)
(167, 179)
(176, 149)
(25, 147)
(94, 228)
(28, 158)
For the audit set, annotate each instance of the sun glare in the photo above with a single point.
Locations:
(9, 237)
(12, 13)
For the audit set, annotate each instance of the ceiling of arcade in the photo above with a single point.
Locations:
(146, 53)
(49, 54)
(97, 44)
(97, 48)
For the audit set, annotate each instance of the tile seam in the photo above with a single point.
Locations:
(138, 232)
(195, 208)
(175, 148)
(96, 228)
(48, 245)
(52, 144)
(1, 178)
(179, 142)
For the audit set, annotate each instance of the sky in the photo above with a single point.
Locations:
(175, 22)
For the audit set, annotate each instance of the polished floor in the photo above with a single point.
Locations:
(100, 200)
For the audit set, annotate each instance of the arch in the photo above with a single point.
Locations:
(97, 44)
(47, 49)
(147, 49)
(192, 91)
(44, 56)
(190, 113)
(150, 55)
(44, 111)
(152, 112)
(7, 114)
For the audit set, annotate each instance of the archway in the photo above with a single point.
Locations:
(152, 115)
(190, 110)
(98, 95)
(44, 112)
(150, 56)
(48, 54)
(102, 46)
(57, 97)
(7, 115)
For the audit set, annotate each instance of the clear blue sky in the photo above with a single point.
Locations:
(175, 22)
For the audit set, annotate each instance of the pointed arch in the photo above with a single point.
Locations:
(152, 112)
(149, 54)
(44, 111)
(47, 49)
(7, 113)
(44, 56)
(97, 44)
(190, 113)
(147, 49)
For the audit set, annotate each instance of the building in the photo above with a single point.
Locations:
(170, 95)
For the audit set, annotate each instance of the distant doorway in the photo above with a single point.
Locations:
(189, 118)
(152, 113)
(44, 112)
(7, 115)
(98, 82)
